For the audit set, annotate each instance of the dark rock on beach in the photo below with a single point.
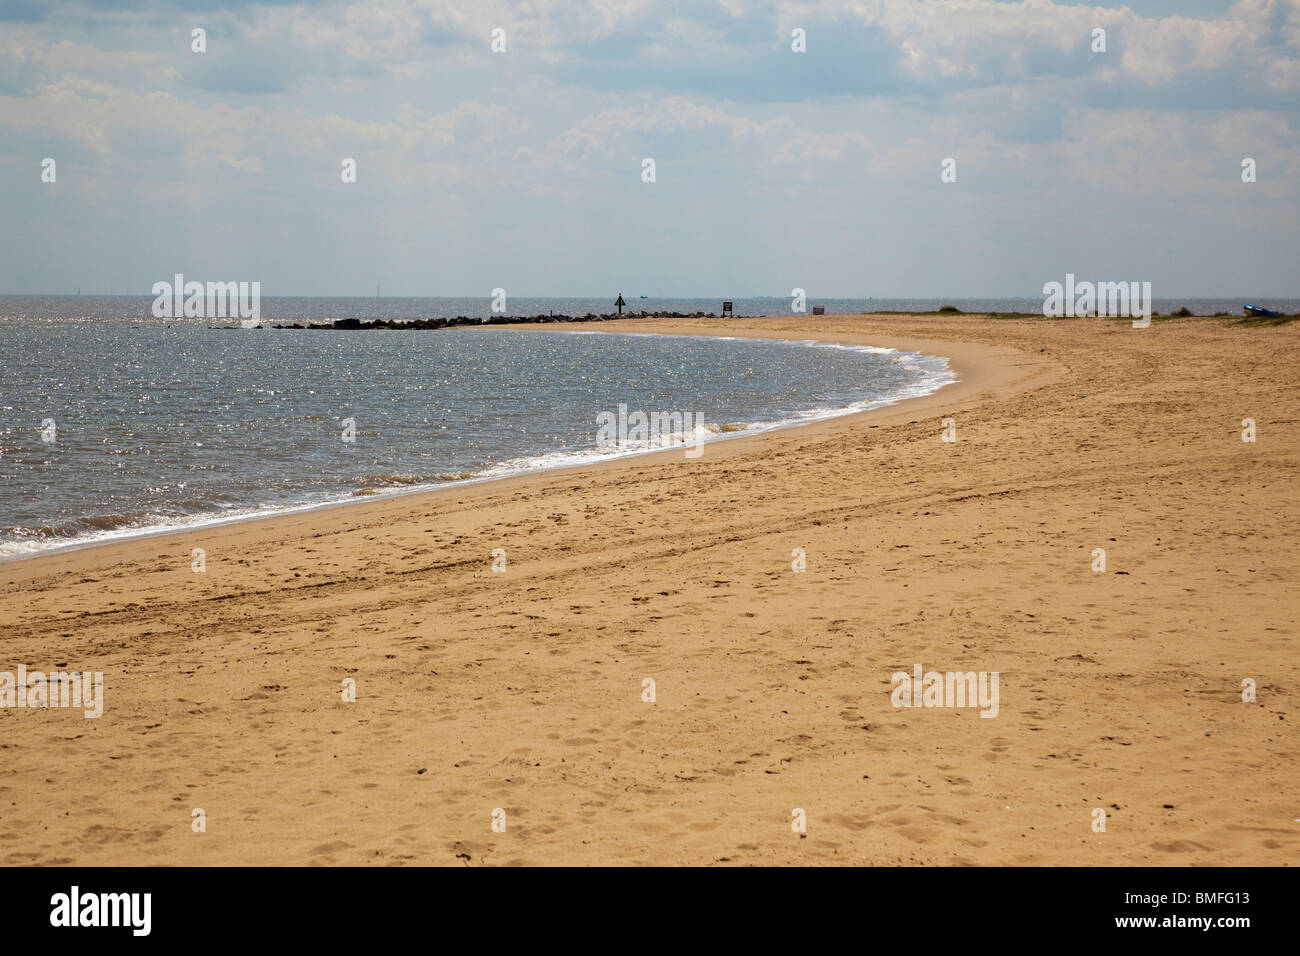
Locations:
(424, 324)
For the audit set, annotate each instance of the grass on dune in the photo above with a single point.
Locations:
(1183, 313)
(1258, 320)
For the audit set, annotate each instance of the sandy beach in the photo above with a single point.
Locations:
(523, 691)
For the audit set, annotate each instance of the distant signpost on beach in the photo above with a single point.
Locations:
(620, 303)
(727, 311)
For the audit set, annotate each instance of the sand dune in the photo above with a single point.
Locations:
(523, 691)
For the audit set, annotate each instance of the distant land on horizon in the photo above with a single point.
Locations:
(638, 297)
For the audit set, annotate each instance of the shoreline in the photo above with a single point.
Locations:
(387, 494)
(1121, 688)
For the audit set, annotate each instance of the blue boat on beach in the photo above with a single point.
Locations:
(1257, 310)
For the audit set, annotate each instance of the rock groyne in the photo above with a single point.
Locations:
(425, 324)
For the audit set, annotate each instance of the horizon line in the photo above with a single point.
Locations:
(720, 297)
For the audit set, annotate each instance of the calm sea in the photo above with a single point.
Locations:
(115, 424)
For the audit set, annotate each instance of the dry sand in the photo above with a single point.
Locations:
(522, 690)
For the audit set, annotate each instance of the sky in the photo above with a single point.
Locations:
(773, 169)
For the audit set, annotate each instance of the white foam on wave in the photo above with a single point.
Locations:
(160, 524)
